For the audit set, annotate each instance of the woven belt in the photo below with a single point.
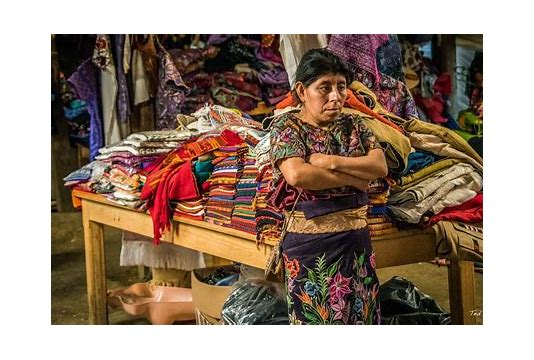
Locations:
(339, 221)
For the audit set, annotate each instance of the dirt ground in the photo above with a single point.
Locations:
(69, 291)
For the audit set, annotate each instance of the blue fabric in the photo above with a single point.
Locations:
(418, 160)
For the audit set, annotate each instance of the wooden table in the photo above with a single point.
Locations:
(404, 247)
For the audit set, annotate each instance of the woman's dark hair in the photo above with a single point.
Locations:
(316, 63)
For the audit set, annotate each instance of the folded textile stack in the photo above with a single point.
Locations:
(222, 183)
(88, 177)
(130, 157)
(268, 220)
(191, 209)
(244, 214)
(378, 192)
(449, 186)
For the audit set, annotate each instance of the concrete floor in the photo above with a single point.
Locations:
(68, 285)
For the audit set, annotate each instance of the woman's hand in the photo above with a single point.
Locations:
(359, 184)
(321, 160)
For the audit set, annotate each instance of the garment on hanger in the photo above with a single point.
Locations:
(103, 58)
(123, 96)
(84, 82)
(171, 93)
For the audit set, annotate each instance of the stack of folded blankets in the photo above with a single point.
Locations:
(244, 214)
(378, 220)
(228, 169)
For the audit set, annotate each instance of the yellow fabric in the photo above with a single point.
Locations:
(426, 172)
(447, 135)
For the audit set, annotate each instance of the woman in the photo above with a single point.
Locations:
(322, 162)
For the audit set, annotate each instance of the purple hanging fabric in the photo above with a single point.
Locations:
(123, 98)
(358, 50)
(84, 82)
(171, 93)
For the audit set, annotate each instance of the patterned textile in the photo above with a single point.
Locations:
(291, 137)
(171, 93)
(330, 278)
(389, 58)
(123, 98)
(156, 189)
(102, 56)
(84, 82)
(359, 51)
(362, 54)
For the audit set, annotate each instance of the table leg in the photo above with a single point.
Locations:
(95, 267)
(461, 292)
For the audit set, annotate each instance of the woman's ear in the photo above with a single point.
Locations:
(299, 89)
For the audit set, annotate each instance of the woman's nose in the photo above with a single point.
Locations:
(335, 95)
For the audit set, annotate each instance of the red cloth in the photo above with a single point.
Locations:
(468, 212)
(182, 183)
(434, 106)
(165, 179)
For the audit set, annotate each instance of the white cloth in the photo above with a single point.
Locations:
(293, 46)
(139, 250)
(140, 80)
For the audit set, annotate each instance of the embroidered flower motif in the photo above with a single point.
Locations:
(340, 308)
(311, 288)
(358, 306)
(339, 287)
(372, 260)
(323, 311)
(292, 267)
(305, 298)
(363, 271)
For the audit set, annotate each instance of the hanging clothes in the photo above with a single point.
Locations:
(171, 93)
(84, 82)
(365, 55)
(103, 58)
(123, 96)
(293, 46)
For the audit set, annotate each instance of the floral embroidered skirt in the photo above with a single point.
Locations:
(330, 278)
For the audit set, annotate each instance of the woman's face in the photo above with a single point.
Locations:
(323, 99)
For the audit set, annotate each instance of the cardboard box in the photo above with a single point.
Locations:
(203, 319)
(208, 299)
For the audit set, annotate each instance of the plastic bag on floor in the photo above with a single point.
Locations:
(402, 303)
(256, 302)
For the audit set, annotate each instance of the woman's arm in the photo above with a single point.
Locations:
(299, 173)
(369, 167)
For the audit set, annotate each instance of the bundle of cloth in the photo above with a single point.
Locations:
(444, 173)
